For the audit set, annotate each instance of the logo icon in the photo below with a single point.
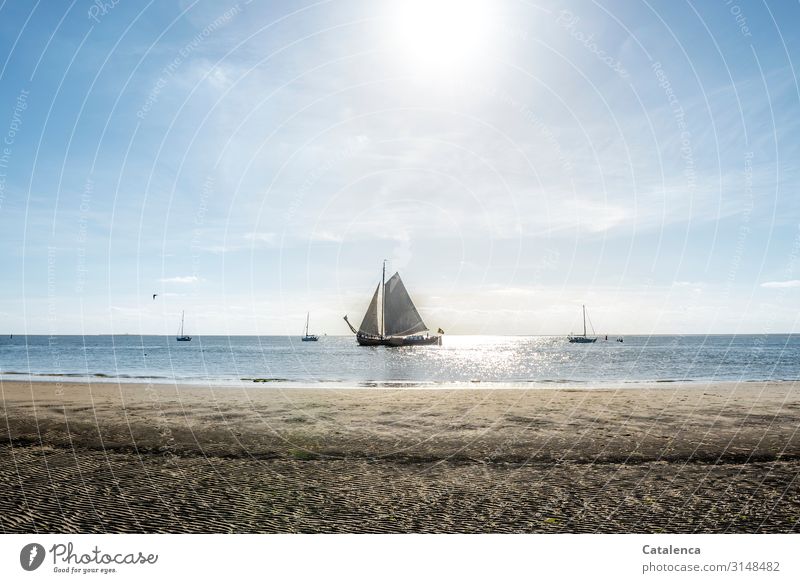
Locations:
(31, 556)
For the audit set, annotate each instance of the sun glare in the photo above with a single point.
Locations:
(441, 35)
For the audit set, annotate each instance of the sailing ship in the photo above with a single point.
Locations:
(306, 336)
(392, 318)
(181, 336)
(584, 339)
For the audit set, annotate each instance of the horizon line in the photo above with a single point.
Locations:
(49, 335)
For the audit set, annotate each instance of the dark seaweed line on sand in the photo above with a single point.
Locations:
(330, 455)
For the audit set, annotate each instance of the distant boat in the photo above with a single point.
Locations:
(392, 319)
(584, 339)
(306, 336)
(181, 336)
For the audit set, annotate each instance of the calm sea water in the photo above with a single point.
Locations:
(461, 360)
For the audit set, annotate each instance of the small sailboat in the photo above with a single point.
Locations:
(181, 336)
(392, 318)
(306, 336)
(583, 339)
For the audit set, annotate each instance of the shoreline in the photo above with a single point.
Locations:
(100, 379)
(96, 457)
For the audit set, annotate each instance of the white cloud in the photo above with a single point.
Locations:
(327, 237)
(268, 238)
(180, 279)
(781, 284)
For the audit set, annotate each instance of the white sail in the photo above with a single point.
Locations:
(369, 325)
(401, 316)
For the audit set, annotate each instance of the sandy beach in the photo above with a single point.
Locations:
(107, 457)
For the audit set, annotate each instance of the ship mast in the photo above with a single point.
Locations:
(383, 300)
(584, 321)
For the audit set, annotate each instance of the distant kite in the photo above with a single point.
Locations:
(154, 296)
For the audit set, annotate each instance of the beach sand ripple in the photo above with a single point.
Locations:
(132, 458)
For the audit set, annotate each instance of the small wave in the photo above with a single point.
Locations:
(100, 375)
(558, 381)
(267, 380)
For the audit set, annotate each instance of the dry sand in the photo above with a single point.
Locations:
(158, 458)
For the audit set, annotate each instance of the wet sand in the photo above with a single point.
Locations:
(108, 457)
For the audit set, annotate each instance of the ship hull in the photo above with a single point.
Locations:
(581, 339)
(398, 341)
(364, 340)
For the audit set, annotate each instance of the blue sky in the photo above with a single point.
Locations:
(250, 162)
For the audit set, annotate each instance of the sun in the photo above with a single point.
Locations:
(441, 35)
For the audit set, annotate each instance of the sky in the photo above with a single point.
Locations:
(250, 162)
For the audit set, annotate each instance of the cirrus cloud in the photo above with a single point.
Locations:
(781, 284)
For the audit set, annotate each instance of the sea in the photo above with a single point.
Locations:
(461, 361)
